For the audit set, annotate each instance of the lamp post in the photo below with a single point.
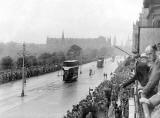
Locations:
(80, 63)
(23, 75)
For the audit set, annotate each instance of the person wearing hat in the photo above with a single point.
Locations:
(151, 54)
(154, 100)
(144, 67)
(152, 85)
(155, 74)
(141, 74)
(144, 58)
(158, 46)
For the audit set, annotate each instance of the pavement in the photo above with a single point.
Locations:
(47, 96)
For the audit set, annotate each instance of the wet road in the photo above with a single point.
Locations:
(47, 96)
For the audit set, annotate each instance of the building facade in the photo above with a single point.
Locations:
(149, 23)
(63, 43)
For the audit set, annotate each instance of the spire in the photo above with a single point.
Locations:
(63, 41)
(63, 35)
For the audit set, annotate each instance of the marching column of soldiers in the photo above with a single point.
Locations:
(12, 75)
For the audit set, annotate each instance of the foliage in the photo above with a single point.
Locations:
(102, 52)
(19, 62)
(60, 56)
(54, 58)
(32, 61)
(45, 58)
(74, 52)
(7, 62)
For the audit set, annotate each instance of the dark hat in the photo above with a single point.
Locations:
(154, 47)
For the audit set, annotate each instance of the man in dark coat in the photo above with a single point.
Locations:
(142, 75)
(143, 69)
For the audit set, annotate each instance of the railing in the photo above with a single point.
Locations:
(136, 100)
(145, 108)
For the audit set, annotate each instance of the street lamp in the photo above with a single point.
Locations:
(23, 55)
(23, 75)
(80, 62)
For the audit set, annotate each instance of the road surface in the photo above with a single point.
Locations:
(47, 96)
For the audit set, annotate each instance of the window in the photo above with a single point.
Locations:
(156, 23)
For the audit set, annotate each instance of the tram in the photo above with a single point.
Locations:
(70, 70)
(100, 62)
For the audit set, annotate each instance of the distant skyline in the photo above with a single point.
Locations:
(33, 20)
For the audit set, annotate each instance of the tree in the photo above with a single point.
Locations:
(93, 53)
(102, 51)
(54, 58)
(45, 58)
(61, 56)
(32, 61)
(7, 62)
(74, 52)
(19, 62)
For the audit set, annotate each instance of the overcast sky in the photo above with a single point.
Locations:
(34, 20)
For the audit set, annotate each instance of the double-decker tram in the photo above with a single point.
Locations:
(70, 70)
(100, 62)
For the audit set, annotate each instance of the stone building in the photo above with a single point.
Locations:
(63, 43)
(153, 15)
(149, 23)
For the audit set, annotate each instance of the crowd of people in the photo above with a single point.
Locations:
(151, 91)
(104, 99)
(145, 69)
(106, 96)
(97, 101)
(12, 75)
(147, 72)
(16, 74)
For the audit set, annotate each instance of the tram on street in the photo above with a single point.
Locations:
(70, 70)
(100, 62)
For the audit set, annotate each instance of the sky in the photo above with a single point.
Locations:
(33, 21)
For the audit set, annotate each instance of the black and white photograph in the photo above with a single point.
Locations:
(79, 58)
